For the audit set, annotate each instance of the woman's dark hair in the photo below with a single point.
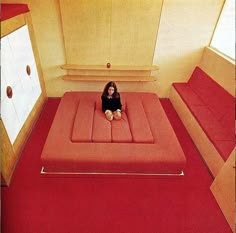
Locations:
(110, 84)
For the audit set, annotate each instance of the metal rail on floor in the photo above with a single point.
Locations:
(109, 173)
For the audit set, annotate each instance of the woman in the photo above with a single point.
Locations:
(111, 103)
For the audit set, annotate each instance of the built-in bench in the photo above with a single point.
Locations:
(207, 111)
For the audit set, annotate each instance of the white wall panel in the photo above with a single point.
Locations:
(16, 55)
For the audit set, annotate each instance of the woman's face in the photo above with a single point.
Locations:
(111, 91)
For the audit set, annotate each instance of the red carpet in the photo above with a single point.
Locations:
(99, 204)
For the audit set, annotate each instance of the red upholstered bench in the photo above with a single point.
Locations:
(203, 105)
(82, 140)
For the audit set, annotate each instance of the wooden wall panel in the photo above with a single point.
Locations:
(29, 22)
(86, 30)
(223, 189)
(8, 156)
(120, 32)
(220, 67)
(134, 27)
(12, 24)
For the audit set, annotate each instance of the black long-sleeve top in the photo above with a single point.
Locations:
(111, 104)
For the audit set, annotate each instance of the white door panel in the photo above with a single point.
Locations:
(8, 63)
(20, 100)
(3, 87)
(21, 45)
(16, 55)
(10, 120)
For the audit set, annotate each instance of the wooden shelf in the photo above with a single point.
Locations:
(124, 78)
(108, 78)
(113, 67)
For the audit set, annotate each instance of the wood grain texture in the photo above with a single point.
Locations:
(134, 27)
(8, 156)
(12, 24)
(28, 20)
(113, 67)
(119, 32)
(220, 67)
(86, 30)
(223, 189)
(111, 78)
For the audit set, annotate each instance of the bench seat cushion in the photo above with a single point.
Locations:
(218, 135)
(215, 97)
(188, 95)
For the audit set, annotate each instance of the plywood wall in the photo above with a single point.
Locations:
(119, 32)
(220, 67)
(86, 30)
(134, 29)
(185, 28)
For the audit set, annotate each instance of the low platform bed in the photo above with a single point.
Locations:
(81, 140)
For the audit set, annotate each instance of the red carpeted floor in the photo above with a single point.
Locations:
(109, 204)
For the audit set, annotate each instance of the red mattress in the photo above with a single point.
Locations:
(82, 140)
